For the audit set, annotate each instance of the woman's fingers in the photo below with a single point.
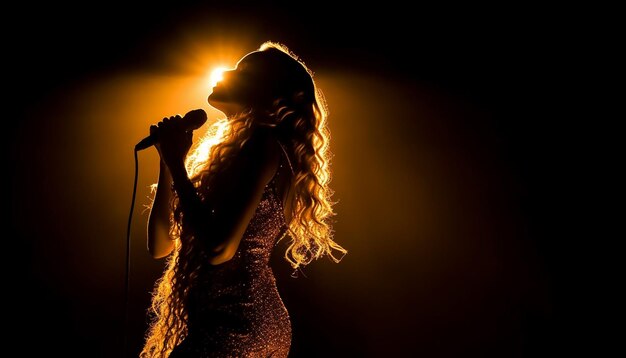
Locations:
(170, 122)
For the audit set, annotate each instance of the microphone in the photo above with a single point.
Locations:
(191, 121)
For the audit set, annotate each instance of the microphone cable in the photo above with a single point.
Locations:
(127, 273)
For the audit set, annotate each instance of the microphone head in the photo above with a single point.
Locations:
(195, 119)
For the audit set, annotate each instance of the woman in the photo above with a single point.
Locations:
(261, 174)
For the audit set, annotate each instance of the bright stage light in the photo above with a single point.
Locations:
(216, 75)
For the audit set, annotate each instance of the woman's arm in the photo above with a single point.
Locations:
(173, 144)
(159, 242)
(221, 223)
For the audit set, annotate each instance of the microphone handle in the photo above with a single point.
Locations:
(145, 143)
(191, 121)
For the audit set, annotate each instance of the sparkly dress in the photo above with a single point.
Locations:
(236, 310)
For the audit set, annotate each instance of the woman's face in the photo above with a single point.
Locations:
(246, 86)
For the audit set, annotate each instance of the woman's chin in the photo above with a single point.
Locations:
(225, 106)
(217, 100)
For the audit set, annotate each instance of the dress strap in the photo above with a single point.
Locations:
(286, 156)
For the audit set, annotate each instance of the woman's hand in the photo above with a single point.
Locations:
(173, 141)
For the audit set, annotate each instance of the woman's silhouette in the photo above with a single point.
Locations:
(259, 175)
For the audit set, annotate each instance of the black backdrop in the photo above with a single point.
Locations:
(449, 167)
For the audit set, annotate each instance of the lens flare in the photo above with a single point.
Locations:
(216, 75)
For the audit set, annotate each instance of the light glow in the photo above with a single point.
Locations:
(216, 75)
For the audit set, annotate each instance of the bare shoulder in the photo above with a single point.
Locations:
(259, 156)
(262, 146)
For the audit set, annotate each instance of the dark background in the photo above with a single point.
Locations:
(455, 169)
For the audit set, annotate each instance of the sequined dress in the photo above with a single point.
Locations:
(236, 310)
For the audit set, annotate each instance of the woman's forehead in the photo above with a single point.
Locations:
(252, 57)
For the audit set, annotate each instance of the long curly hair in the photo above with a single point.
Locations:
(299, 119)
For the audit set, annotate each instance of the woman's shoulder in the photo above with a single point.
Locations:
(263, 139)
(262, 145)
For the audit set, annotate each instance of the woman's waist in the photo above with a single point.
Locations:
(237, 304)
(240, 284)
